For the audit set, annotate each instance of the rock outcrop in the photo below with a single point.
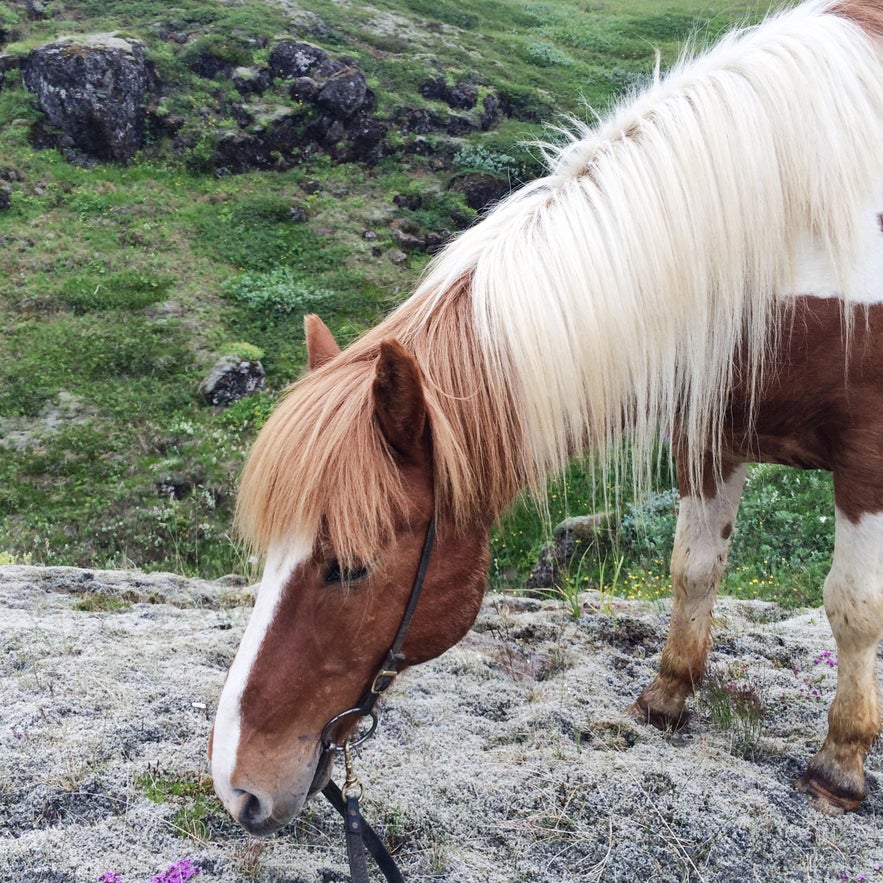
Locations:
(94, 91)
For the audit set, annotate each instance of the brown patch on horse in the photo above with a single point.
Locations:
(880, 222)
(866, 13)
(321, 345)
(819, 407)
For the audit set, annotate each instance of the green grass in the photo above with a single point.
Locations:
(780, 551)
(122, 285)
(193, 797)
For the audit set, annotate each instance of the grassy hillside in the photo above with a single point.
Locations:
(122, 285)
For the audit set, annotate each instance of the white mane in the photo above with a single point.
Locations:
(614, 292)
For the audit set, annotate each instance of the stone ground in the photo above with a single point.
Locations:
(508, 760)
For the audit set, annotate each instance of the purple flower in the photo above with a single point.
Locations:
(110, 877)
(830, 659)
(180, 872)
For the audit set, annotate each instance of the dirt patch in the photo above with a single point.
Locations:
(508, 759)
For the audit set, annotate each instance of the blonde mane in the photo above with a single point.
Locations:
(606, 302)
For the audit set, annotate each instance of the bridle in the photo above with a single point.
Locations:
(359, 834)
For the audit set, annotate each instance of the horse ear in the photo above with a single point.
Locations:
(321, 345)
(398, 401)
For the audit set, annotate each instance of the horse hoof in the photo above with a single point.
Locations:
(825, 797)
(644, 714)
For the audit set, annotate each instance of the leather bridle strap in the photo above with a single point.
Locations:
(364, 837)
(359, 834)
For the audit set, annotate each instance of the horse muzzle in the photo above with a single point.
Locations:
(264, 809)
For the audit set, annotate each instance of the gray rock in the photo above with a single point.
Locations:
(94, 89)
(251, 80)
(463, 96)
(344, 93)
(479, 189)
(231, 379)
(586, 527)
(295, 58)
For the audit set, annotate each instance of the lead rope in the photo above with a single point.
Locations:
(359, 834)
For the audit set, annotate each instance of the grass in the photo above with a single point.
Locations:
(97, 602)
(736, 707)
(121, 285)
(193, 797)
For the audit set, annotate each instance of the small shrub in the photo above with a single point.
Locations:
(126, 290)
(544, 54)
(243, 350)
(248, 414)
(194, 797)
(278, 291)
(648, 526)
(477, 158)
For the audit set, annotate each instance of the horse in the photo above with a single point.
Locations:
(705, 263)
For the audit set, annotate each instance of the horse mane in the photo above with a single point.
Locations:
(605, 303)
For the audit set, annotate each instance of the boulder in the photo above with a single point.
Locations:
(251, 80)
(290, 59)
(304, 89)
(232, 378)
(480, 190)
(344, 93)
(417, 120)
(94, 90)
(434, 88)
(208, 65)
(407, 234)
(491, 113)
(463, 96)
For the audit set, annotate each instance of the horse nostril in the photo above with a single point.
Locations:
(251, 813)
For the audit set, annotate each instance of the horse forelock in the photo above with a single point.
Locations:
(319, 469)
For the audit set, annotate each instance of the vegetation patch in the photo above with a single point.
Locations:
(99, 602)
(192, 796)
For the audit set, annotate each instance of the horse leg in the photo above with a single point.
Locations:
(835, 778)
(702, 538)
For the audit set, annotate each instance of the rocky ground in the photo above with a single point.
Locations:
(508, 759)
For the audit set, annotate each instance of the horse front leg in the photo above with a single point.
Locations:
(835, 777)
(702, 538)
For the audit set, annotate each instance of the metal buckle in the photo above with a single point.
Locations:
(391, 674)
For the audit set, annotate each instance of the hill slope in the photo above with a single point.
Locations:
(123, 284)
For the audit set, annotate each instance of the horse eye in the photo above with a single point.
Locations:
(336, 574)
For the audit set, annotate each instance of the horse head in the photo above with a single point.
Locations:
(338, 575)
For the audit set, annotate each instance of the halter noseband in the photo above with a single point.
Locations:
(359, 834)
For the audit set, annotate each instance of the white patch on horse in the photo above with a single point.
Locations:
(854, 587)
(816, 275)
(280, 563)
(702, 539)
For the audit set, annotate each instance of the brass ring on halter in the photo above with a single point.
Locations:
(328, 744)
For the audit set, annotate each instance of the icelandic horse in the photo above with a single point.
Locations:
(707, 262)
